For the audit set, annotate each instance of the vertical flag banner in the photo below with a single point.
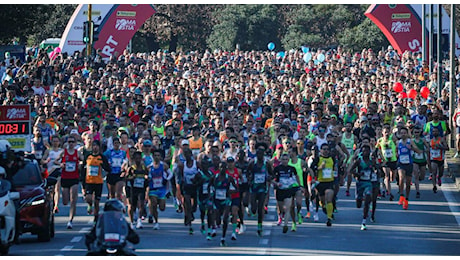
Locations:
(119, 27)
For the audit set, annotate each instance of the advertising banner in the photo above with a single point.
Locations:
(15, 126)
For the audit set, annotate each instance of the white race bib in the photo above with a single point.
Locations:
(117, 162)
(435, 153)
(259, 178)
(388, 153)
(327, 173)
(157, 182)
(205, 188)
(221, 194)
(404, 159)
(70, 166)
(93, 170)
(418, 156)
(366, 175)
(139, 182)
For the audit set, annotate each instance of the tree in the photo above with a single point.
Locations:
(364, 35)
(250, 26)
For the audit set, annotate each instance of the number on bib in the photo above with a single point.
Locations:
(70, 166)
(405, 159)
(388, 153)
(327, 173)
(435, 153)
(259, 178)
(139, 183)
(221, 194)
(157, 182)
(93, 170)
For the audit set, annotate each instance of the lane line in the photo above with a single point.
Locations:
(76, 239)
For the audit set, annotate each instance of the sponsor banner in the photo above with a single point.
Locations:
(119, 27)
(402, 25)
(15, 113)
(19, 143)
(72, 38)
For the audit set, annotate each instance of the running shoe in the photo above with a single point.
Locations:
(203, 229)
(308, 215)
(435, 189)
(456, 155)
(336, 210)
(431, 177)
(139, 224)
(417, 195)
(242, 229)
(222, 242)
(347, 193)
(89, 210)
(279, 220)
(406, 204)
(294, 227)
(392, 197)
(208, 237)
(363, 227)
(233, 236)
(213, 232)
(156, 226)
(401, 200)
(150, 219)
(439, 181)
(56, 210)
(316, 217)
(299, 216)
(285, 229)
(259, 232)
(384, 193)
(190, 231)
(132, 226)
(329, 222)
(69, 225)
(266, 209)
(372, 219)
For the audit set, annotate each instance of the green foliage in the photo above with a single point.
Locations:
(250, 26)
(364, 35)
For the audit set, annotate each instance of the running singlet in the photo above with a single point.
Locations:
(221, 188)
(53, 155)
(236, 177)
(94, 169)
(38, 148)
(70, 161)
(388, 149)
(189, 173)
(419, 157)
(436, 154)
(404, 153)
(326, 174)
(285, 175)
(116, 159)
(259, 178)
(298, 168)
(348, 143)
(366, 172)
(156, 175)
(138, 175)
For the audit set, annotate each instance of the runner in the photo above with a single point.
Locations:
(115, 182)
(136, 180)
(350, 141)
(187, 172)
(94, 164)
(70, 159)
(159, 175)
(420, 159)
(235, 173)
(285, 177)
(205, 196)
(405, 165)
(387, 147)
(260, 174)
(438, 147)
(296, 207)
(242, 165)
(364, 175)
(52, 164)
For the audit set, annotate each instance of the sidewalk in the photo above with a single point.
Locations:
(453, 168)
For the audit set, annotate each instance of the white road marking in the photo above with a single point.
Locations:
(67, 248)
(76, 239)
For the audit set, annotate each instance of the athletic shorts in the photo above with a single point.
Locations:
(244, 187)
(281, 195)
(375, 185)
(408, 168)
(67, 183)
(112, 178)
(94, 188)
(363, 188)
(421, 164)
(137, 194)
(221, 204)
(205, 204)
(439, 163)
(190, 190)
(236, 202)
(392, 165)
(323, 186)
(160, 193)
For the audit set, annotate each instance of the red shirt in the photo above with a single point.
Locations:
(70, 170)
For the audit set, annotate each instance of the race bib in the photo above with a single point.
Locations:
(188, 179)
(285, 182)
(388, 153)
(93, 170)
(418, 156)
(70, 166)
(327, 173)
(221, 194)
(435, 153)
(244, 179)
(205, 188)
(404, 159)
(139, 183)
(366, 175)
(157, 182)
(259, 178)
(117, 162)
(374, 177)
(38, 155)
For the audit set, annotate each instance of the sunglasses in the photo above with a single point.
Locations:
(71, 142)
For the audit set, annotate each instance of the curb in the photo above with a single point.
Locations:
(453, 169)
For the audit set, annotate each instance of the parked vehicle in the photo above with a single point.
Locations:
(36, 202)
(7, 214)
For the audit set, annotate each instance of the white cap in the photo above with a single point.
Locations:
(185, 142)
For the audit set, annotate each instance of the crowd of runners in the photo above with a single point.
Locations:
(217, 132)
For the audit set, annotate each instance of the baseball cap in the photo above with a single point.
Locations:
(185, 142)
(147, 142)
(230, 159)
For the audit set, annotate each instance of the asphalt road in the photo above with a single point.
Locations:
(429, 227)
